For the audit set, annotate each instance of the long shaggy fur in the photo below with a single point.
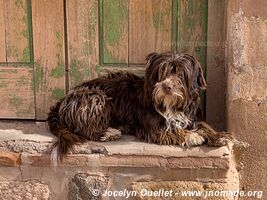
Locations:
(161, 108)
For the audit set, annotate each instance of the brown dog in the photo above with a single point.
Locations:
(161, 108)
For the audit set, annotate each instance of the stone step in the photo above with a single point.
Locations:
(117, 165)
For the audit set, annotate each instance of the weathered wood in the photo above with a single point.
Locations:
(149, 28)
(192, 32)
(192, 27)
(2, 33)
(17, 31)
(215, 95)
(129, 30)
(83, 47)
(16, 93)
(115, 31)
(49, 54)
(132, 69)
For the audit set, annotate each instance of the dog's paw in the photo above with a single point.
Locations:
(223, 141)
(193, 139)
(111, 134)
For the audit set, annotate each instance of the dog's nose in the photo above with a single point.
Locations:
(167, 88)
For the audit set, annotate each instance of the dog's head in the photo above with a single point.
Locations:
(173, 82)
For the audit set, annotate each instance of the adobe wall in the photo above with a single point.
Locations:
(247, 86)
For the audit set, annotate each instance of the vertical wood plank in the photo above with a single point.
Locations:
(192, 33)
(2, 33)
(216, 75)
(83, 47)
(49, 54)
(16, 93)
(149, 28)
(115, 31)
(17, 31)
(192, 27)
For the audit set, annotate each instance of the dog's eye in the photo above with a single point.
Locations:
(173, 69)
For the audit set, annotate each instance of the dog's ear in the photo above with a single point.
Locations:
(151, 57)
(193, 73)
(200, 77)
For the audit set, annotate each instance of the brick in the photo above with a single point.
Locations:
(130, 161)
(70, 160)
(10, 158)
(189, 162)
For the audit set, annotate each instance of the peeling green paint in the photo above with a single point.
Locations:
(115, 23)
(59, 40)
(23, 80)
(109, 58)
(24, 20)
(99, 69)
(12, 51)
(39, 74)
(21, 109)
(25, 55)
(25, 33)
(79, 71)
(3, 84)
(19, 3)
(31, 108)
(158, 19)
(117, 16)
(58, 93)
(89, 28)
(59, 70)
(15, 101)
(58, 35)
(74, 72)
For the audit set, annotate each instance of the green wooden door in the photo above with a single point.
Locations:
(61, 43)
(118, 34)
(129, 30)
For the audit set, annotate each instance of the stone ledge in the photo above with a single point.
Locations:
(126, 152)
(24, 157)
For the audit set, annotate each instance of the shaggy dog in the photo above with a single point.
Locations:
(161, 108)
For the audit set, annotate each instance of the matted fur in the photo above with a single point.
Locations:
(161, 108)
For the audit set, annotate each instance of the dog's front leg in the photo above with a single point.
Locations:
(203, 134)
(174, 137)
(212, 137)
(181, 137)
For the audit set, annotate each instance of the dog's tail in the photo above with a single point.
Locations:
(65, 139)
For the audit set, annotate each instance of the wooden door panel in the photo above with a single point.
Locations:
(49, 53)
(149, 28)
(58, 44)
(17, 31)
(115, 31)
(192, 32)
(16, 93)
(192, 28)
(83, 43)
(16, 70)
(2, 32)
